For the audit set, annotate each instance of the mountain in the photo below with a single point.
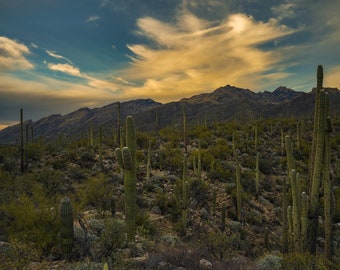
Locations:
(78, 122)
(223, 104)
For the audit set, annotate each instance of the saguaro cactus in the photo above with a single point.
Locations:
(126, 158)
(316, 174)
(289, 153)
(319, 82)
(327, 186)
(319, 165)
(185, 193)
(284, 218)
(296, 212)
(238, 186)
(66, 226)
(22, 166)
(257, 174)
(148, 165)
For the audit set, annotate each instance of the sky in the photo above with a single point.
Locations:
(57, 56)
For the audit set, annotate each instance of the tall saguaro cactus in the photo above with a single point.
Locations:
(239, 189)
(66, 226)
(22, 166)
(316, 173)
(319, 83)
(319, 165)
(126, 158)
(257, 174)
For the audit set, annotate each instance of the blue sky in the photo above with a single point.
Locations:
(57, 56)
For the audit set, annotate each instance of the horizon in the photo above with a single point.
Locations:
(53, 60)
(162, 103)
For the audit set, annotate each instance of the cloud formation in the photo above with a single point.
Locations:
(93, 18)
(195, 54)
(12, 55)
(65, 68)
(58, 56)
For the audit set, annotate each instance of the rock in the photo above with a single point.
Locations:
(205, 264)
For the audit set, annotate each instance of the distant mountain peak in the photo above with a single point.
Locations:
(283, 89)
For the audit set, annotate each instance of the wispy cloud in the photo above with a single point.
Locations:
(93, 81)
(93, 18)
(12, 55)
(65, 68)
(57, 56)
(194, 55)
(33, 45)
(285, 10)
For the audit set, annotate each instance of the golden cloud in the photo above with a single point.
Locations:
(195, 55)
(12, 55)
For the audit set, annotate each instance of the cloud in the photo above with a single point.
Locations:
(93, 18)
(66, 68)
(33, 45)
(57, 56)
(194, 55)
(332, 78)
(285, 10)
(44, 96)
(12, 55)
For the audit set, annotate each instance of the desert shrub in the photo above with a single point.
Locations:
(220, 149)
(167, 204)
(178, 256)
(76, 173)
(198, 191)
(59, 164)
(87, 159)
(171, 158)
(221, 171)
(270, 262)
(265, 165)
(307, 262)
(217, 244)
(51, 180)
(112, 238)
(32, 220)
(248, 180)
(145, 226)
(96, 192)
(10, 165)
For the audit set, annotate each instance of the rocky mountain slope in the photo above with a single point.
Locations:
(223, 104)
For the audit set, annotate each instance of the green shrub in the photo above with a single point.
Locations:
(32, 221)
(307, 262)
(144, 225)
(96, 192)
(270, 262)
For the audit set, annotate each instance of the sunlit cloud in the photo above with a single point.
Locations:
(194, 55)
(66, 68)
(332, 78)
(12, 55)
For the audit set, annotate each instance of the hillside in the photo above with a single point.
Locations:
(224, 104)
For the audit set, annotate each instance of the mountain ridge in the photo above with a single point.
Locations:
(223, 104)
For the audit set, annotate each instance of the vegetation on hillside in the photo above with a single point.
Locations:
(216, 195)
